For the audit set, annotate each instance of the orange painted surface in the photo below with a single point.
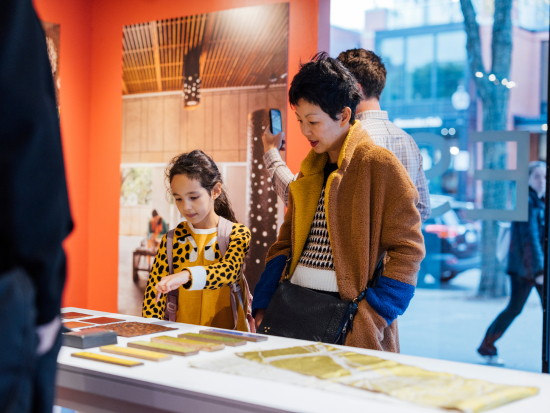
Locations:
(91, 101)
(74, 61)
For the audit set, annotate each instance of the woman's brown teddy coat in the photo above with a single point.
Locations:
(370, 204)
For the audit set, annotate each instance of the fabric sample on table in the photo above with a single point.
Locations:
(104, 320)
(201, 345)
(107, 359)
(76, 324)
(164, 348)
(323, 366)
(134, 329)
(136, 353)
(68, 316)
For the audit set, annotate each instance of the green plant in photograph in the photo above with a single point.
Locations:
(136, 186)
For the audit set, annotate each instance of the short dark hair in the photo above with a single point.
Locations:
(325, 82)
(367, 68)
(154, 213)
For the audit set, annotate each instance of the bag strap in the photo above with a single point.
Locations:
(354, 306)
(169, 251)
(373, 281)
(172, 297)
(224, 233)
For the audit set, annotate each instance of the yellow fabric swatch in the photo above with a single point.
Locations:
(106, 359)
(409, 383)
(136, 353)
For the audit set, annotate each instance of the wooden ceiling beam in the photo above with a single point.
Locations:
(156, 54)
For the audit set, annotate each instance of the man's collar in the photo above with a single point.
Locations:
(372, 114)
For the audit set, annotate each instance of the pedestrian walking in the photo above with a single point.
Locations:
(525, 262)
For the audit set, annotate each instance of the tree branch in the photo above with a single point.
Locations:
(502, 39)
(473, 45)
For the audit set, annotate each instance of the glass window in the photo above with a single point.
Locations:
(450, 218)
(451, 62)
(392, 54)
(420, 57)
(431, 92)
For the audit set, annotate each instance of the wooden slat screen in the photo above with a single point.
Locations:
(240, 47)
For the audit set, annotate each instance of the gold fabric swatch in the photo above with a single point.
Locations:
(409, 383)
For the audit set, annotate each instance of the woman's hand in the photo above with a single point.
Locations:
(271, 141)
(171, 282)
(259, 317)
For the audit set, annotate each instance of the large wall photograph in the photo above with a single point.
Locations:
(198, 82)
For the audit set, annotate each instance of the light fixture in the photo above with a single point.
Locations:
(479, 74)
(273, 78)
(444, 131)
(492, 77)
(452, 131)
(191, 79)
(454, 150)
(544, 127)
(504, 81)
(510, 84)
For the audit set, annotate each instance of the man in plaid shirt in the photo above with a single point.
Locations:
(370, 73)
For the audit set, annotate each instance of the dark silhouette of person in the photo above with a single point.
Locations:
(35, 213)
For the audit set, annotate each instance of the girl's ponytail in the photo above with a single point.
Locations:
(222, 207)
(198, 165)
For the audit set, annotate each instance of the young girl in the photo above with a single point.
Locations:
(202, 277)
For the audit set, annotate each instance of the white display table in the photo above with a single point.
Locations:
(173, 386)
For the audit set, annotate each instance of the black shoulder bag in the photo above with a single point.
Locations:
(298, 312)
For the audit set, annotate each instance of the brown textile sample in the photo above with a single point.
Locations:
(68, 316)
(76, 324)
(104, 320)
(134, 329)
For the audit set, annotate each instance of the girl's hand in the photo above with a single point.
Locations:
(171, 282)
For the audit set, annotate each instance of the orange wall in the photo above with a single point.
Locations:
(74, 61)
(91, 119)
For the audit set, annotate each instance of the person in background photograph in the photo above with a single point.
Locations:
(525, 262)
(369, 71)
(352, 202)
(201, 275)
(35, 215)
(157, 228)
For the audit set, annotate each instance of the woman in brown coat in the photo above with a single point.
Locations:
(352, 202)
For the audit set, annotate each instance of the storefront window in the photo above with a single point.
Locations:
(392, 51)
(451, 62)
(477, 127)
(419, 62)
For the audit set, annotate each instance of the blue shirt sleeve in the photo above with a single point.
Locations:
(269, 281)
(390, 298)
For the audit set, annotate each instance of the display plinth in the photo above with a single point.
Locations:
(174, 386)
